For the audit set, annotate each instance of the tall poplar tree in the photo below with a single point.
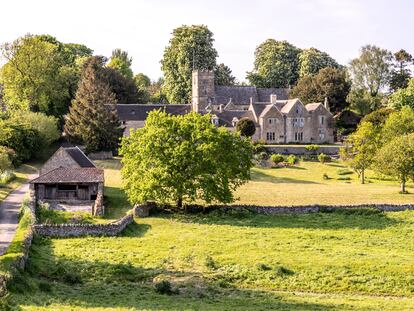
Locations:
(92, 119)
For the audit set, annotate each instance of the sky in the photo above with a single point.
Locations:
(143, 28)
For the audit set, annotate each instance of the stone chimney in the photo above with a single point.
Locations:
(251, 100)
(326, 104)
(273, 98)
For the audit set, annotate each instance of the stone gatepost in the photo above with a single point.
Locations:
(141, 210)
(98, 208)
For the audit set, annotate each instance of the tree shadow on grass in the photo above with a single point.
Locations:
(116, 202)
(263, 177)
(52, 280)
(338, 219)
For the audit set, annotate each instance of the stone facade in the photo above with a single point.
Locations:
(278, 119)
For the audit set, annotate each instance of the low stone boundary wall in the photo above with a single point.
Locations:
(298, 209)
(78, 230)
(301, 150)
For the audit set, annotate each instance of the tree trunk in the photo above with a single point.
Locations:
(402, 186)
(363, 177)
(180, 202)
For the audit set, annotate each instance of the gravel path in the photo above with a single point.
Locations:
(9, 214)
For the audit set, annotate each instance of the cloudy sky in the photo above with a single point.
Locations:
(143, 28)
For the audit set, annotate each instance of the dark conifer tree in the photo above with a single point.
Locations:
(92, 119)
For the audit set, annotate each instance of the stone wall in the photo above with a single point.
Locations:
(101, 155)
(78, 230)
(301, 150)
(300, 209)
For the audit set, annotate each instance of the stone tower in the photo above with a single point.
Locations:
(202, 90)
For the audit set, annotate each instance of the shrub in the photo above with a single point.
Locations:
(276, 158)
(323, 158)
(246, 127)
(263, 155)
(44, 286)
(312, 148)
(164, 287)
(345, 171)
(291, 159)
(210, 263)
(344, 178)
(263, 267)
(282, 271)
(6, 177)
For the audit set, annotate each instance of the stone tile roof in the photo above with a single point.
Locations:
(240, 95)
(79, 157)
(70, 175)
(288, 106)
(312, 106)
(258, 108)
(226, 116)
(264, 94)
(139, 112)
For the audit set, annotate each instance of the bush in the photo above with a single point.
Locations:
(345, 171)
(312, 148)
(246, 127)
(277, 158)
(291, 159)
(263, 155)
(344, 178)
(210, 263)
(6, 177)
(282, 271)
(163, 287)
(323, 158)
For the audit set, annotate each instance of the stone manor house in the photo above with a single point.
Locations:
(278, 120)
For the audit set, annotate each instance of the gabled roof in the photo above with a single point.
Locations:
(267, 109)
(313, 106)
(226, 116)
(289, 105)
(79, 157)
(70, 175)
(139, 112)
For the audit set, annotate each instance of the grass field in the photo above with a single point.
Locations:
(345, 260)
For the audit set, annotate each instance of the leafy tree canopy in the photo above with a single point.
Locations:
(360, 148)
(40, 73)
(276, 64)
(398, 123)
(371, 70)
(401, 73)
(223, 75)
(404, 97)
(246, 127)
(122, 62)
(181, 159)
(396, 159)
(191, 47)
(312, 60)
(330, 83)
(378, 117)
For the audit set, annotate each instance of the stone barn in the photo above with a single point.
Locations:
(70, 181)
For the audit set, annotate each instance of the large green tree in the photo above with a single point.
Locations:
(329, 83)
(40, 73)
(223, 75)
(360, 148)
(92, 119)
(181, 159)
(121, 62)
(276, 65)
(191, 47)
(401, 72)
(371, 70)
(312, 60)
(403, 97)
(396, 159)
(398, 123)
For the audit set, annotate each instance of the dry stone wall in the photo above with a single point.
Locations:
(78, 230)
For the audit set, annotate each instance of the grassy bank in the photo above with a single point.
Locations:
(327, 261)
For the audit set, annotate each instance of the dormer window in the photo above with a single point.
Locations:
(234, 121)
